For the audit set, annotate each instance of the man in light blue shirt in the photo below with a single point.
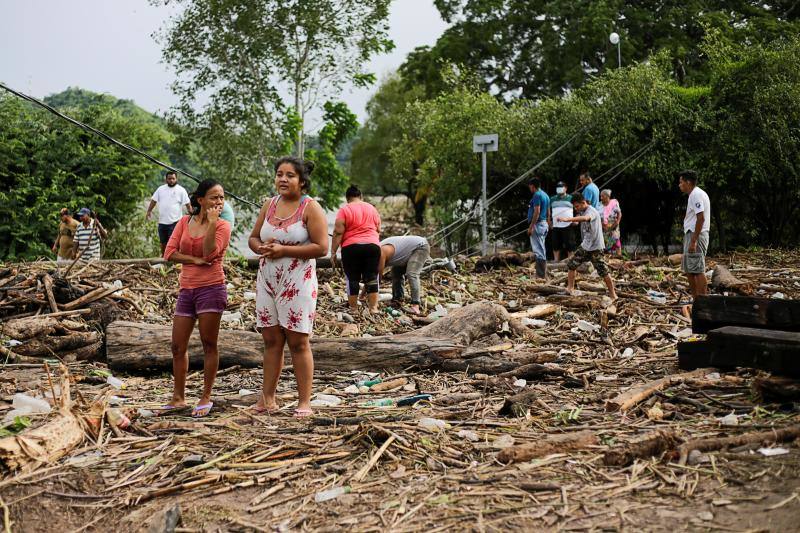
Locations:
(590, 190)
(537, 224)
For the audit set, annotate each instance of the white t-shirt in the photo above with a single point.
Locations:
(592, 230)
(698, 203)
(170, 202)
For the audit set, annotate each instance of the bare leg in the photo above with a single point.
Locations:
(571, 280)
(353, 301)
(209, 333)
(303, 363)
(556, 255)
(372, 301)
(610, 286)
(182, 327)
(700, 284)
(274, 340)
(692, 289)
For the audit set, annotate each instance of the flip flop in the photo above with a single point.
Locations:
(303, 413)
(202, 407)
(167, 409)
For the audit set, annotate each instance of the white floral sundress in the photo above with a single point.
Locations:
(286, 288)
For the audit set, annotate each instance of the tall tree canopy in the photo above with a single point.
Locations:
(243, 57)
(531, 48)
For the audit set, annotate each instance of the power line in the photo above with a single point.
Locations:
(111, 139)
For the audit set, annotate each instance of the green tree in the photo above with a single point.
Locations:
(532, 48)
(243, 56)
(47, 164)
(329, 180)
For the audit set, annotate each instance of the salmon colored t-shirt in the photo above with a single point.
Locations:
(361, 222)
(194, 276)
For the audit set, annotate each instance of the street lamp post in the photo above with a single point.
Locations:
(614, 38)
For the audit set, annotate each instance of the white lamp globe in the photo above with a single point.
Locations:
(614, 38)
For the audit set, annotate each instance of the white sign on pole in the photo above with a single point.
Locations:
(485, 142)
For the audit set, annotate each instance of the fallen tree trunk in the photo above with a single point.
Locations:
(764, 438)
(554, 444)
(47, 443)
(50, 345)
(133, 346)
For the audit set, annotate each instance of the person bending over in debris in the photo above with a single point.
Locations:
(198, 241)
(88, 235)
(696, 225)
(64, 247)
(357, 228)
(289, 234)
(592, 245)
(406, 255)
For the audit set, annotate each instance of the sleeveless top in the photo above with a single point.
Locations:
(286, 288)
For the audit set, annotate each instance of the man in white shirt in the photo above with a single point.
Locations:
(171, 199)
(696, 225)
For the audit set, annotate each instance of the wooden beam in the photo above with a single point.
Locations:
(712, 312)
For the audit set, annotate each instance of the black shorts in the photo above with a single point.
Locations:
(360, 264)
(165, 232)
(563, 239)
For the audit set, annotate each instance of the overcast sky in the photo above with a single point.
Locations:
(107, 46)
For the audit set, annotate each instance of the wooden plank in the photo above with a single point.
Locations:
(729, 347)
(694, 354)
(712, 312)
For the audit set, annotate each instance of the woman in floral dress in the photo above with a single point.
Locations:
(289, 234)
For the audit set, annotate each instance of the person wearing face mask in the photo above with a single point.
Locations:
(562, 239)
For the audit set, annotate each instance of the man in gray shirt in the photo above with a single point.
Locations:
(406, 255)
(592, 243)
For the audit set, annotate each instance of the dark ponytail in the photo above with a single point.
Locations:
(304, 168)
(202, 188)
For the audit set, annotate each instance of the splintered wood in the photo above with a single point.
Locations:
(524, 408)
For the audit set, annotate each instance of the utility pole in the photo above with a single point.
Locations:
(483, 144)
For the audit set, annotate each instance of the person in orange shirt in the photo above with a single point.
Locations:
(199, 242)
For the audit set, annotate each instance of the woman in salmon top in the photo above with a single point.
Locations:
(357, 228)
(199, 242)
(289, 234)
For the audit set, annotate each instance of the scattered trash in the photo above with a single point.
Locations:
(115, 382)
(520, 383)
(729, 420)
(770, 452)
(411, 400)
(330, 494)
(469, 435)
(779, 296)
(231, 317)
(657, 297)
(351, 389)
(534, 322)
(627, 352)
(432, 424)
(249, 295)
(326, 400)
(503, 441)
(583, 325)
(383, 402)
(246, 392)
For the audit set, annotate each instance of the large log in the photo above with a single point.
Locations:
(712, 312)
(133, 346)
(775, 351)
(722, 279)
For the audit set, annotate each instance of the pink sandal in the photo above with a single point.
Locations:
(303, 413)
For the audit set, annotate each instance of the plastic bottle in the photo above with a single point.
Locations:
(115, 382)
(583, 325)
(432, 424)
(117, 418)
(411, 400)
(383, 402)
(369, 382)
(326, 400)
(30, 405)
(330, 494)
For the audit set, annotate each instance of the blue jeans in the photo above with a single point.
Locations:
(537, 240)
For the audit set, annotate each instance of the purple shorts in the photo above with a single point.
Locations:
(193, 302)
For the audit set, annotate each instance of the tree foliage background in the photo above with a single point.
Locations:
(709, 86)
